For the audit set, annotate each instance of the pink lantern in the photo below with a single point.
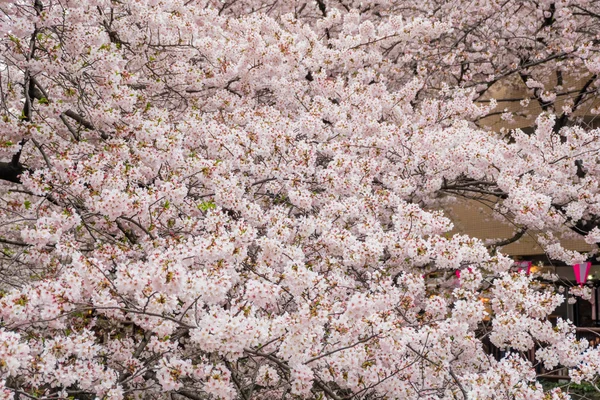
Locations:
(581, 272)
(524, 265)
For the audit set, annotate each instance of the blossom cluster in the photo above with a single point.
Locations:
(242, 199)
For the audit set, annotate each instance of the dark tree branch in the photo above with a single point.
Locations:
(518, 235)
(562, 121)
(11, 172)
(322, 7)
(191, 395)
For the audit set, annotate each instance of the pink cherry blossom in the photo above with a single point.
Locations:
(248, 199)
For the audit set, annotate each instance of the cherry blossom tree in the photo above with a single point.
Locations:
(240, 199)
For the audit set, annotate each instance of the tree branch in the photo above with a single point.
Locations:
(11, 172)
(518, 235)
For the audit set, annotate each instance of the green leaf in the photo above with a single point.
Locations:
(207, 205)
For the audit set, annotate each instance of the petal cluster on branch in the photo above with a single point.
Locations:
(242, 199)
